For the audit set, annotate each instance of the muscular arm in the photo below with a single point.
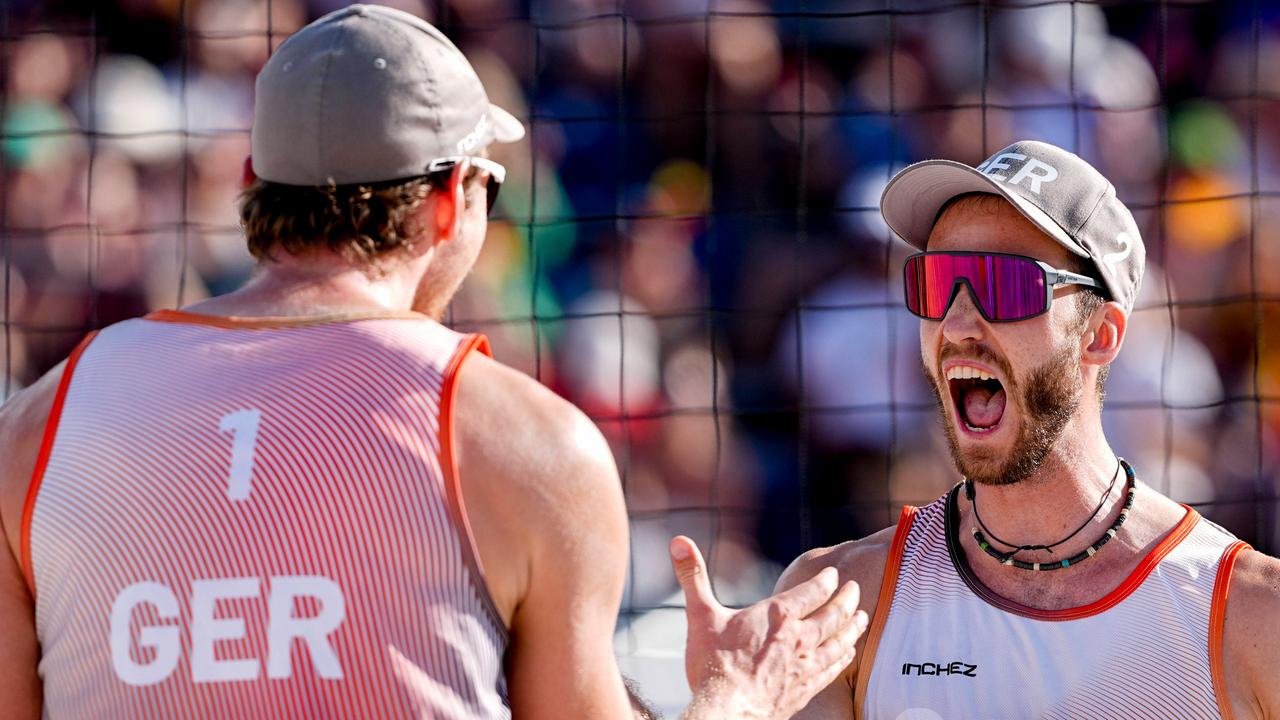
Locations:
(22, 421)
(545, 504)
(1251, 642)
(861, 561)
(546, 509)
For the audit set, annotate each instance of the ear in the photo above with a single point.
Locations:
(247, 175)
(449, 206)
(1104, 334)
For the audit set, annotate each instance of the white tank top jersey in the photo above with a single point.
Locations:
(259, 519)
(943, 646)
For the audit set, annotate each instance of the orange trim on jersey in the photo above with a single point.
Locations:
(1217, 621)
(42, 459)
(263, 323)
(1110, 600)
(888, 584)
(449, 464)
(1135, 579)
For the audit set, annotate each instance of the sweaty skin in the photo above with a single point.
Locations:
(1071, 479)
(545, 506)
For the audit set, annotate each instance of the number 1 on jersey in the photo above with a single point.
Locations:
(243, 426)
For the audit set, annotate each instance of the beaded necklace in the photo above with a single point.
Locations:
(1009, 559)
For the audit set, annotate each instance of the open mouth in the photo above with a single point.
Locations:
(978, 397)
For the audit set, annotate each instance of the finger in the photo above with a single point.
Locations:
(838, 649)
(836, 613)
(809, 595)
(833, 657)
(824, 676)
(691, 573)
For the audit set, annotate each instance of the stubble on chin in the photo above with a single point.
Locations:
(1050, 399)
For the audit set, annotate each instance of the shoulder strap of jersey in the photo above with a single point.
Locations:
(888, 584)
(1217, 620)
(468, 345)
(42, 460)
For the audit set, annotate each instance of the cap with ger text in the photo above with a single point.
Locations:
(1055, 189)
(367, 94)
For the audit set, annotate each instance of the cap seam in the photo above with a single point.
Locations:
(321, 166)
(447, 46)
(403, 32)
(1092, 212)
(430, 79)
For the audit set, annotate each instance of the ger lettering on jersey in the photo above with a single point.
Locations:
(240, 514)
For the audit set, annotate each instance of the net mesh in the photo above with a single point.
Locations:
(689, 245)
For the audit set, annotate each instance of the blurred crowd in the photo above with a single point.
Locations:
(688, 246)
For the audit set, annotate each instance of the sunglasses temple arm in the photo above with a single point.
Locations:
(1062, 277)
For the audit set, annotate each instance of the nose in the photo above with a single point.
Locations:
(963, 323)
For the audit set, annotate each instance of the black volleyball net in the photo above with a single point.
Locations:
(689, 245)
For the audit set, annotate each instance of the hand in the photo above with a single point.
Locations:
(768, 660)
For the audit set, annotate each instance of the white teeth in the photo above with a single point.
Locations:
(965, 372)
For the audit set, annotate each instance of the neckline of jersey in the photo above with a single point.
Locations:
(235, 322)
(1101, 605)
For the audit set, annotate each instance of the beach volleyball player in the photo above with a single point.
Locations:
(309, 499)
(1051, 582)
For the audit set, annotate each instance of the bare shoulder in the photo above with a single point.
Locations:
(539, 483)
(546, 507)
(861, 561)
(22, 422)
(506, 420)
(1252, 636)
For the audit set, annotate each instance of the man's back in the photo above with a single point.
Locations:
(241, 514)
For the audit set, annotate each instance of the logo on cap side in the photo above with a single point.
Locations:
(1034, 171)
(471, 140)
(1126, 247)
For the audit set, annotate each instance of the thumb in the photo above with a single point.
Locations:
(691, 573)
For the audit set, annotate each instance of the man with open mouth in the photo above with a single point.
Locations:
(1050, 582)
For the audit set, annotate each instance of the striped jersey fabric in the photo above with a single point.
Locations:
(947, 647)
(257, 519)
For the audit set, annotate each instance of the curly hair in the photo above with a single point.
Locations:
(364, 222)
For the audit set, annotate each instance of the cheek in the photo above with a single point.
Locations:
(1033, 357)
(928, 337)
(929, 342)
(1035, 340)
(1063, 318)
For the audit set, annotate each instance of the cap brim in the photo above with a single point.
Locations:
(506, 128)
(912, 199)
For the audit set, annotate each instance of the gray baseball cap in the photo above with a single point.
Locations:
(367, 94)
(1056, 190)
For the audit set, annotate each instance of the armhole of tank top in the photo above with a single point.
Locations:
(449, 465)
(888, 584)
(1217, 622)
(42, 459)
